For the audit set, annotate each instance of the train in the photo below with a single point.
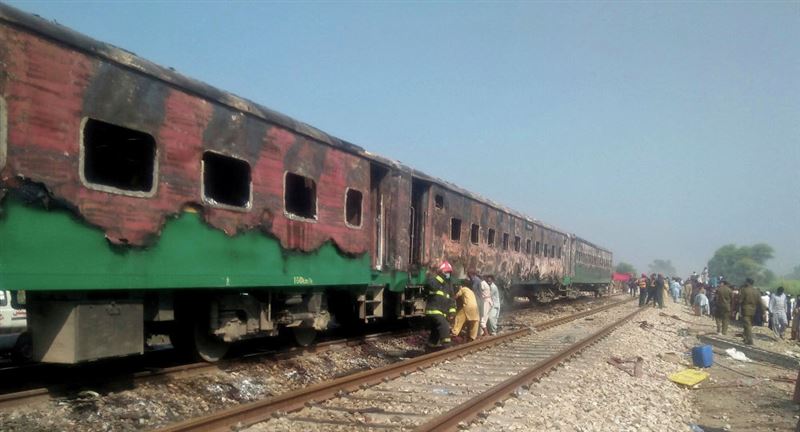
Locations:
(137, 202)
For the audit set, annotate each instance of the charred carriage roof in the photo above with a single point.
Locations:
(131, 62)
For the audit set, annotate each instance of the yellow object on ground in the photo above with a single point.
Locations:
(689, 377)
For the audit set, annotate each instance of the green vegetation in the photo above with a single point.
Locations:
(739, 263)
(623, 267)
(794, 274)
(792, 286)
(664, 267)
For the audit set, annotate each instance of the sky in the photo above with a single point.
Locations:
(659, 130)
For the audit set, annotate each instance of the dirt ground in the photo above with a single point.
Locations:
(744, 396)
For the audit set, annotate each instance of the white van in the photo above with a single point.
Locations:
(13, 322)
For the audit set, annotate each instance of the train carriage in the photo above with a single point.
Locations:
(136, 201)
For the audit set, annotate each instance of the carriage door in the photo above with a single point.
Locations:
(419, 209)
(377, 190)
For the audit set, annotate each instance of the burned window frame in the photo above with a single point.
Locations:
(538, 250)
(517, 243)
(3, 132)
(211, 201)
(453, 231)
(438, 202)
(491, 237)
(475, 230)
(108, 188)
(295, 216)
(505, 241)
(528, 247)
(360, 209)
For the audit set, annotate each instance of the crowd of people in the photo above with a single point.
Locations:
(470, 305)
(716, 297)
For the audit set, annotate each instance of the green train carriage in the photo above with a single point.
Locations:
(136, 201)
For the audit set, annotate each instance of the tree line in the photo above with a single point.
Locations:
(736, 264)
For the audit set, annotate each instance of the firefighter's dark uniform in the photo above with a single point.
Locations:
(438, 306)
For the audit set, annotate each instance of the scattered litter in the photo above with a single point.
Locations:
(646, 325)
(689, 377)
(635, 370)
(441, 391)
(695, 428)
(737, 355)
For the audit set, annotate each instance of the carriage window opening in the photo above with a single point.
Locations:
(517, 243)
(352, 211)
(455, 229)
(505, 241)
(490, 237)
(300, 196)
(438, 201)
(474, 234)
(226, 180)
(528, 246)
(118, 157)
(553, 251)
(546, 251)
(559, 253)
(538, 248)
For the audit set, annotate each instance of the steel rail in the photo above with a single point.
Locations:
(471, 409)
(258, 411)
(255, 412)
(579, 315)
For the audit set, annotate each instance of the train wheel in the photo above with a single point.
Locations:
(304, 336)
(23, 348)
(208, 347)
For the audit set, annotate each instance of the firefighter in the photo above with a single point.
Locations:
(439, 305)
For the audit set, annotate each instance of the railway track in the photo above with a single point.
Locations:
(432, 392)
(126, 380)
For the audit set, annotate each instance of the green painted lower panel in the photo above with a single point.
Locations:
(52, 250)
(590, 275)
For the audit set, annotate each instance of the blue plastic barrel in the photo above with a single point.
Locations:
(702, 356)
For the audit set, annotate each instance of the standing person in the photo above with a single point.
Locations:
(633, 284)
(652, 286)
(642, 289)
(749, 299)
(466, 311)
(796, 322)
(494, 312)
(661, 288)
(674, 289)
(438, 305)
(687, 292)
(723, 307)
(475, 281)
(759, 318)
(777, 308)
(486, 306)
(701, 303)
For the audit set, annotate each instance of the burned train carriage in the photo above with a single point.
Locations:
(138, 202)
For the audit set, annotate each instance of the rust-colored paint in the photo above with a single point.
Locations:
(508, 265)
(50, 89)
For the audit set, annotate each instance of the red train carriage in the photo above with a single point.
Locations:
(136, 201)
